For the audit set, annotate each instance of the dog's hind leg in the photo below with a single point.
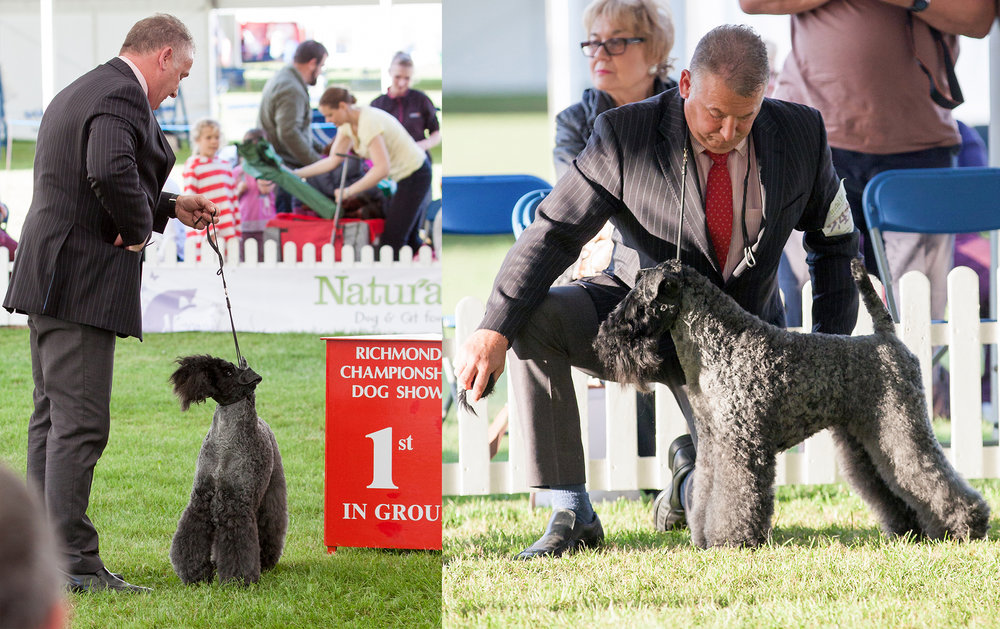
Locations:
(237, 551)
(856, 465)
(272, 517)
(191, 548)
(908, 455)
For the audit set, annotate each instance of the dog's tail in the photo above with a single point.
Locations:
(881, 321)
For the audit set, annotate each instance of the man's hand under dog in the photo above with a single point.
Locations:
(195, 210)
(483, 354)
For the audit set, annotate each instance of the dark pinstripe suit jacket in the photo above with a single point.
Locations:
(630, 174)
(100, 165)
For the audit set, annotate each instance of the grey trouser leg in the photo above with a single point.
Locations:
(72, 366)
(931, 254)
(558, 336)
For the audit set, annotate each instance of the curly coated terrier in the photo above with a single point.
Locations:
(236, 520)
(757, 390)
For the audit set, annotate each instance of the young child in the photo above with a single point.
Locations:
(206, 174)
(256, 200)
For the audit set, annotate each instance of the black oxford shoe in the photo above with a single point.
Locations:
(668, 514)
(99, 581)
(563, 534)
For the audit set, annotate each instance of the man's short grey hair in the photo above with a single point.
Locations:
(155, 32)
(31, 583)
(736, 54)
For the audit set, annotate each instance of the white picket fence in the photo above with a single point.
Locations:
(811, 463)
(164, 254)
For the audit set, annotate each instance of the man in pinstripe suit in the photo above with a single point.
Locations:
(630, 174)
(100, 165)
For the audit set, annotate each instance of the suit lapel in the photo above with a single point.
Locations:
(669, 152)
(769, 146)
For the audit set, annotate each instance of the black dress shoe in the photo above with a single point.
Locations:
(101, 580)
(564, 533)
(668, 514)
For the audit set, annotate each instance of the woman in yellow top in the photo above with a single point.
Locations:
(379, 137)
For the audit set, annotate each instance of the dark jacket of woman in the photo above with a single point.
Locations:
(575, 123)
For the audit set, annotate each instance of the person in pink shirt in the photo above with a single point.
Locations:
(256, 199)
(205, 173)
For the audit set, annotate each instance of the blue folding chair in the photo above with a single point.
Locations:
(481, 204)
(524, 210)
(929, 201)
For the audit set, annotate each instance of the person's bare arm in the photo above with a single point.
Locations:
(972, 18)
(779, 7)
(430, 141)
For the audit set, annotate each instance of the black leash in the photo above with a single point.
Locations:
(225, 289)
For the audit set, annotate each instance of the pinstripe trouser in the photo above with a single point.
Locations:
(72, 366)
(558, 336)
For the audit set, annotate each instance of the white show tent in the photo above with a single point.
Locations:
(46, 44)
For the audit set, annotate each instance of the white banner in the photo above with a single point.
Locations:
(325, 300)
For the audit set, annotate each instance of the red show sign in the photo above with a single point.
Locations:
(383, 442)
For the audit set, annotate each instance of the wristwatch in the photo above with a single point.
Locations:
(919, 5)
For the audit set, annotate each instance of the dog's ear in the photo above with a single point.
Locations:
(192, 381)
(645, 285)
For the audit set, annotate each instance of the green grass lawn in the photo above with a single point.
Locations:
(498, 143)
(492, 143)
(22, 154)
(827, 565)
(143, 481)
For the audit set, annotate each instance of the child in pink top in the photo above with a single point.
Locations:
(256, 199)
(204, 173)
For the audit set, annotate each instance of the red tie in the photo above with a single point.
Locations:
(719, 206)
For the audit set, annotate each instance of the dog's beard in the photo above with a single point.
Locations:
(463, 395)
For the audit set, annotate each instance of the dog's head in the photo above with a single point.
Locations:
(628, 340)
(201, 377)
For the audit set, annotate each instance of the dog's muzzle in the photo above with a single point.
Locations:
(249, 377)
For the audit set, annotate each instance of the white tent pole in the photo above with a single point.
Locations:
(994, 134)
(47, 53)
(385, 8)
(567, 69)
(994, 148)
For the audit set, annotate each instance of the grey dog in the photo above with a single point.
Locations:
(237, 517)
(757, 389)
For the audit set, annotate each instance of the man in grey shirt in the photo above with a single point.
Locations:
(285, 114)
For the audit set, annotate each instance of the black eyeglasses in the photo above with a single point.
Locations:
(613, 46)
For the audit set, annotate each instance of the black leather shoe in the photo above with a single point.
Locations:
(101, 580)
(563, 534)
(668, 514)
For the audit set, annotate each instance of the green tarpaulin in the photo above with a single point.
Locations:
(260, 161)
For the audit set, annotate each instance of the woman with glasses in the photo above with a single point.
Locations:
(628, 43)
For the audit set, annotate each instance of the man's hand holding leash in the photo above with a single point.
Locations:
(482, 356)
(195, 210)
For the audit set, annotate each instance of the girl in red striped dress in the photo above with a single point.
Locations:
(204, 173)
